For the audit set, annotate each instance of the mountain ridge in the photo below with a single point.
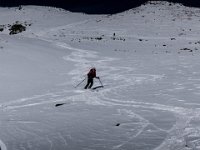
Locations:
(92, 7)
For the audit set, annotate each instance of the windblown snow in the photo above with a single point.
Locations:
(147, 58)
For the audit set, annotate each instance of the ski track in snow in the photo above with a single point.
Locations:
(123, 74)
(82, 59)
(125, 79)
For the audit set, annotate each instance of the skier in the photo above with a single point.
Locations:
(91, 75)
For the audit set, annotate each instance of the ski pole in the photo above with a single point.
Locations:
(80, 83)
(100, 82)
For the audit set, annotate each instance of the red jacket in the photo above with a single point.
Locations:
(92, 73)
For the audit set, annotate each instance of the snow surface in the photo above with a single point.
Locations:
(148, 61)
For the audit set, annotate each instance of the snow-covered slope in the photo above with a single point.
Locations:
(147, 59)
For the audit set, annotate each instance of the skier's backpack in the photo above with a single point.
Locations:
(92, 73)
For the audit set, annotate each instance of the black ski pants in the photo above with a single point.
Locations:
(89, 83)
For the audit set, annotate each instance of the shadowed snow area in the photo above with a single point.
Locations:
(147, 59)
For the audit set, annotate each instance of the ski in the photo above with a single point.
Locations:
(97, 87)
(60, 104)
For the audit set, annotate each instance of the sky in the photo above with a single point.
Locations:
(91, 6)
(87, 6)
